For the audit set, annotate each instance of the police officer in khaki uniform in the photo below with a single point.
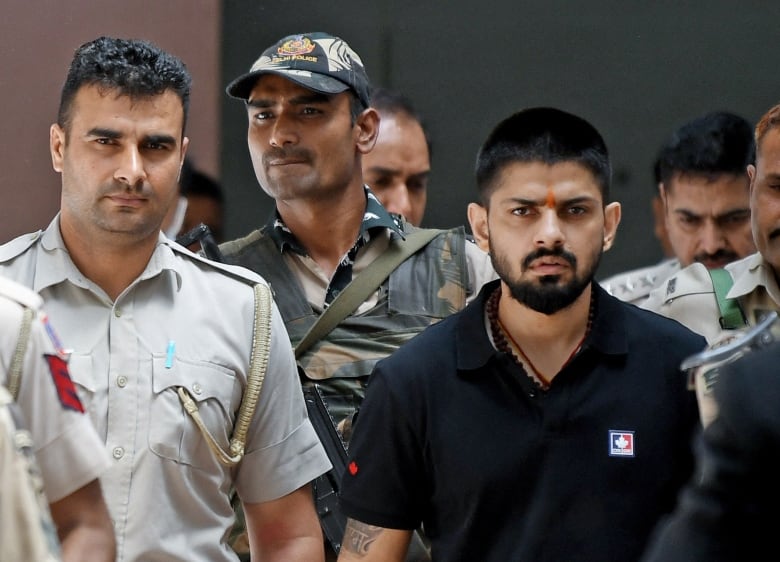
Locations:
(690, 296)
(703, 184)
(163, 340)
(48, 420)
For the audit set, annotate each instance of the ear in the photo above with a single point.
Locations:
(663, 194)
(185, 142)
(751, 171)
(366, 130)
(478, 219)
(612, 213)
(56, 146)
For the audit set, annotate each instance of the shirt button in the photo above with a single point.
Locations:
(117, 312)
(121, 381)
(532, 394)
(118, 452)
(196, 388)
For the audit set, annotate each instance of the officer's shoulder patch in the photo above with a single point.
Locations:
(692, 280)
(233, 247)
(20, 294)
(235, 271)
(18, 245)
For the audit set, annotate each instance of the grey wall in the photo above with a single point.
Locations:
(636, 70)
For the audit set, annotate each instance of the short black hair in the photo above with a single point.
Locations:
(711, 145)
(547, 135)
(132, 67)
(392, 102)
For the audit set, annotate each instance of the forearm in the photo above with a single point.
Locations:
(88, 544)
(286, 529)
(84, 526)
(369, 543)
(301, 549)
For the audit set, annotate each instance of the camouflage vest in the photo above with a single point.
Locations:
(27, 531)
(426, 287)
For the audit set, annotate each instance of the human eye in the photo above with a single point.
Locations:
(417, 185)
(522, 211)
(310, 110)
(154, 145)
(735, 219)
(261, 115)
(380, 182)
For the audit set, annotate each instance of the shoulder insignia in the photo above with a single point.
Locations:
(692, 280)
(235, 271)
(234, 246)
(66, 390)
(670, 286)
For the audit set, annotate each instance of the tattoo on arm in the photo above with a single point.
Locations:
(358, 537)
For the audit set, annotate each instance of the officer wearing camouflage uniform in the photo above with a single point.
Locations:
(690, 297)
(325, 231)
(702, 178)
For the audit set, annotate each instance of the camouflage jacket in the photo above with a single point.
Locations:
(426, 287)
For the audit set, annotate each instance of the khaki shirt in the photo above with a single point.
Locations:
(689, 298)
(27, 531)
(184, 322)
(68, 449)
(635, 286)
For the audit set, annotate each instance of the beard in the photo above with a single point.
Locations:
(545, 295)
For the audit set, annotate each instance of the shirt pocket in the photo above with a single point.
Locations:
(173, 434)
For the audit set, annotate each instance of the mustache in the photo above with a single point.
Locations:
(543, 252)
(774, 234)
(720, 254)
(291, 153)
(121, 188)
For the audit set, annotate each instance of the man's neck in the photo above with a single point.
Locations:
(110, 262)
(327, 229)
(548, 340)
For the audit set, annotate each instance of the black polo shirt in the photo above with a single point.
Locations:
(454, 434)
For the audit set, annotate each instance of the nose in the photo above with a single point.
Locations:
(282, 132)
(131, 169)
(549, 232)
(712, 238)
(398, 201)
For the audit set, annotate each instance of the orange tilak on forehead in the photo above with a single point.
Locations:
(550, 201)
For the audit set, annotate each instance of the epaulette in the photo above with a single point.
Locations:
(18, 245)
(234, 246)
(20, 294)
(638, 283)
(235, 271)
(692, 280)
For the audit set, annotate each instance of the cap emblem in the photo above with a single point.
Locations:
(298, 45)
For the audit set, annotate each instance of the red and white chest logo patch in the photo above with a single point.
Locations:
(621, 443)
